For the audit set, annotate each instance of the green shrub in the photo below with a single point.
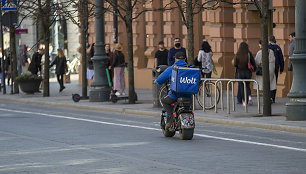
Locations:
(27, 77)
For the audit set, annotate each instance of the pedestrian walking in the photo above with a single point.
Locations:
(161, 55)
(272, 76)
(7, 65)
(291, 49)
(279, 61)
(177, 48)
(35, 64)
(90, 68)
(205, 57)
(61, 67)
(118, 64)
(241, 61)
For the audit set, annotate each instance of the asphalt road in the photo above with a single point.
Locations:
(40, 139)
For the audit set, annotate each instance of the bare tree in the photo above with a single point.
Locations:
(129, 10)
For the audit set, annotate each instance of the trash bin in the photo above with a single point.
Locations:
(155, 87)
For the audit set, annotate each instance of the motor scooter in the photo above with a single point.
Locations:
(183, 120)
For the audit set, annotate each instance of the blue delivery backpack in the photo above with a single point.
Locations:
(185, 79)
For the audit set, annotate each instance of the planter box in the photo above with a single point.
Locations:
(29, 86)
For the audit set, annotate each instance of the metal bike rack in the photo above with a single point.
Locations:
(229, 81)
(245, 93)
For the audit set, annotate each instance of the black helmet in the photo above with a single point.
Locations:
(180, 55)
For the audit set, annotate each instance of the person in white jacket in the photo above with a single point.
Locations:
(258, 61)
(205, 57)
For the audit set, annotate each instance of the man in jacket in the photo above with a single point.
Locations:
(35, 64)
(177, 48)
(279, 61)
(172, 96)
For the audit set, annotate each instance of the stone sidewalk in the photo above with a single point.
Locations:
(144, 107)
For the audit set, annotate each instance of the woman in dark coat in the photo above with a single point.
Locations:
(61, 66)
(243, 56)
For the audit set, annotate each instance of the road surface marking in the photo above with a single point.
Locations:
(156, 129)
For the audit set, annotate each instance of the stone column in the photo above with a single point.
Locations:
(296, 107)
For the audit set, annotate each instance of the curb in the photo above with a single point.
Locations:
(221, 121)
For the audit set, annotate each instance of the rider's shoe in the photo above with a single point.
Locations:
(169, 123)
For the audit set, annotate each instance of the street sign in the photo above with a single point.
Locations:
(9, 5)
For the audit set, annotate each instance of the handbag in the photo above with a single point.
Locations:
(259, 70)
(250, 66)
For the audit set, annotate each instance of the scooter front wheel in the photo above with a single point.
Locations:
(186, 133)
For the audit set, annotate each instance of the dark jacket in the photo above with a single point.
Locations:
(242, 71)
(172, 52)
(61, 65)
(35, 66)
(118, 60)
(279, 58)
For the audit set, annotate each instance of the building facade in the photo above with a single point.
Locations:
(224, 28)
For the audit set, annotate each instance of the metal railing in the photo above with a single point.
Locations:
(229, 81)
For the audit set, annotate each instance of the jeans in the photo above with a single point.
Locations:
(2, 80)
(240, 93)
(60, 80)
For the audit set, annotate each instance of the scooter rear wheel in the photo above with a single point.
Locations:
(186, 133)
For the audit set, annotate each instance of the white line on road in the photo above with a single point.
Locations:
(155, 129)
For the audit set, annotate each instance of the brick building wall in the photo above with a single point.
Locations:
(224, 28)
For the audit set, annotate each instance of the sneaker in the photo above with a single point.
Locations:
(117, 93)
(169, 123)
(243, 104)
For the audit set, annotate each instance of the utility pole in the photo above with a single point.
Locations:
(100, 89)
(296, 107)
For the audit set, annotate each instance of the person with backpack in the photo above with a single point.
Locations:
(172, 96)
(279, 61)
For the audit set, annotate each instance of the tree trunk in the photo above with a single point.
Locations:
(84, 18)
(189, 13)
(46, 31)
(265, 59)
(129, 30)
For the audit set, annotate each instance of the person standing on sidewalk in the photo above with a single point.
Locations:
(259, 78)
(118, 64)
(279, 61)
(61, 67)
(35, 64)
(90, 68)
(177, 48)
(205, 57)
(161, 55)
(291, 49)
(241, 60)
(110, 56)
